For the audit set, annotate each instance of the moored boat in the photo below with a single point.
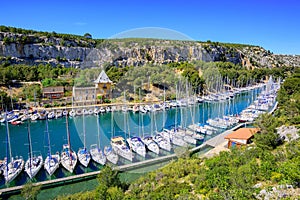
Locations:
(11, 167)
(34, 163)
(84, 156)
(137, 145)
(52, 161)
(162, 142)
(151, 144)
(68, 156)
(119, 146)
(95, 150)
(97, 154)
(111, 155)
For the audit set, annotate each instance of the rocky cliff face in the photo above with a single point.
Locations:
(32, 49)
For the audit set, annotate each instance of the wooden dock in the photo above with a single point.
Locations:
(89, 175)
(219, 139)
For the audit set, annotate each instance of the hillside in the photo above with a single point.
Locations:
(266, 169)
(19, 46)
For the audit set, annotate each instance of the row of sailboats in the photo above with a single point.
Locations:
(12, 167)
(178, 136)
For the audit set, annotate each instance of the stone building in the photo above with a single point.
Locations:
(103, 85)
(91, 95)
(53, 92)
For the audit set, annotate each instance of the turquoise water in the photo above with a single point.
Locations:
(135, 124)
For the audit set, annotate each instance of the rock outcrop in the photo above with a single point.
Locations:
(33, 49)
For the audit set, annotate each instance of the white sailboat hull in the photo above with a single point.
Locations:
(52, 163)
(151, 145)
(189, 139)
(13, 169)
(84, 157)
(111, 156)
(33, 166)
(98, 156)
(68, 163)
(162, 142)
(125, 153)
(137, 146)
(178, 141)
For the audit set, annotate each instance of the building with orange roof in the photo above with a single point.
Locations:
(241, 137)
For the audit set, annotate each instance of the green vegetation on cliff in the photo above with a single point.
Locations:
(82, 41)
(8, 73)
(289, 100)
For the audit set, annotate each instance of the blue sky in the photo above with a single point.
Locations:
(274, 25)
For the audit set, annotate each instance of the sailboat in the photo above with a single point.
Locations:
(162, 142)
(158, 138)
(84, 156)
(174, 135)
(95, 150)
(118, 143)
(136, 144)
(151, 144)
(12, 167)
(119, 146)
(34, 163)
(68, 156)
(52, 161)
(110, 154)
(148, 140)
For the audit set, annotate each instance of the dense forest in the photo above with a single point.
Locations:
(240, 173)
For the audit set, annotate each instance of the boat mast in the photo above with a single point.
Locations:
(69, 141)
(83, 127)
(164, 107)
(124, 116)
(176, 110)
(140, 113)
(8, 139)
(29, 140)
(98, 129)
(48, 135)
(8, 149)
(112, 123)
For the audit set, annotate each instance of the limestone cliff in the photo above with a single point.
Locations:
(35, 49)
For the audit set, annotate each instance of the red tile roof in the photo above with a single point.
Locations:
(242, 133)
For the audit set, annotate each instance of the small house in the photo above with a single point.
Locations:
(89, 95)
(241, 137)
(84, 96)
(103, 85)
(56, 92)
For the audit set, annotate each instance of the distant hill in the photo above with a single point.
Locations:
(20, 46)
